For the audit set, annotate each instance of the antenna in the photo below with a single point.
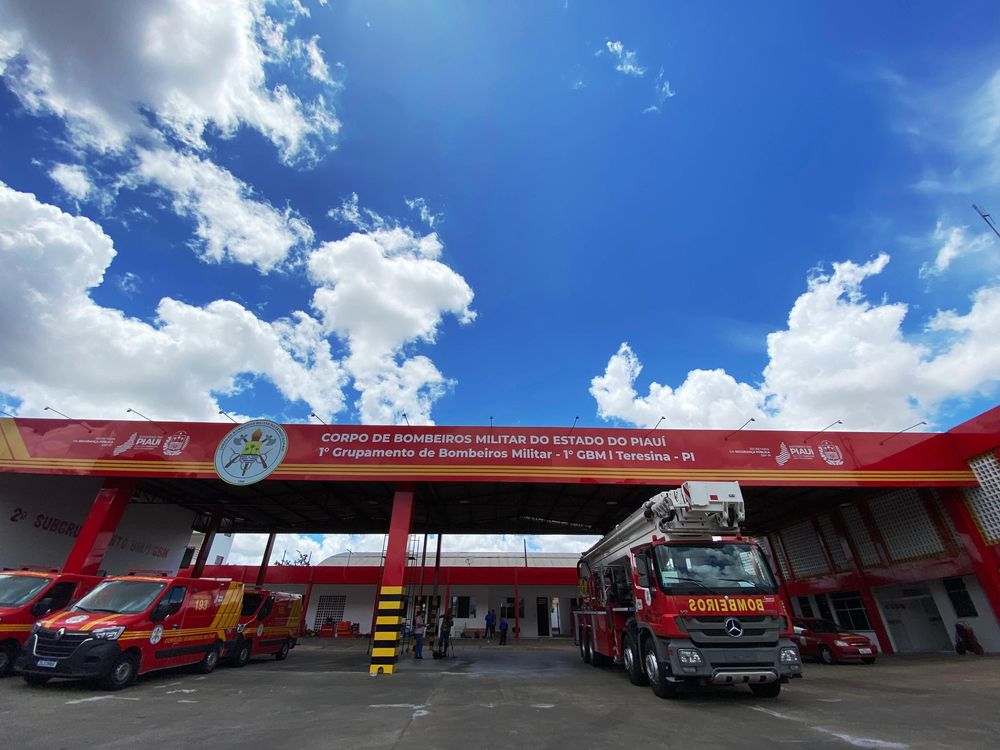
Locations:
(988, 219)
(313, 415)
(49, 408)
(883, 442)
(737, 430)
(654, 426)
(226, 414)
(575, 420)
(130, 410)
(405, 419)
(839, 421)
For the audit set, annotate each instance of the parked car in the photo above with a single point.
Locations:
(825, 640)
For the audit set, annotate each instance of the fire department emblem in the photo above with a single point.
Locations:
(260, 630)
(734, 627)
(250, 452)
(176, 443)
(157, 635)
(831, 453)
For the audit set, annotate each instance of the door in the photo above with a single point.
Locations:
(913, 619)
(167, 646)
(542, 611)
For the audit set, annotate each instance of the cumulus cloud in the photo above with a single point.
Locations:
(840, 357)
(117, 71)
(95, 360)
(73, 179)
(230, 223)
(627, 61)
(956, 243)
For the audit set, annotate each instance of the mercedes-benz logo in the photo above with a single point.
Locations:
(60, 633)
(734, 627)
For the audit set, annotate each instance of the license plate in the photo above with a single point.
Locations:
(46, 663)
(864, 650)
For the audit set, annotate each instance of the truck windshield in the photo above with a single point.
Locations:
(18, 590)
(120, 597)
(250, 604)
(722, 568)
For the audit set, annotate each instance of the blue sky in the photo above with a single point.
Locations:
(526, 211)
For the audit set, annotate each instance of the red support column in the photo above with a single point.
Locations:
(984, 557)
(782, 588)
(206, 544)
(517, 610)
(267, 558)
(389, 606)
(867, 597)
(303, 626)
(99, 527)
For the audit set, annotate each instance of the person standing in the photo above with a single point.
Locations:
(419, 628)
(491, 624)
(503, 630)
(446, 624)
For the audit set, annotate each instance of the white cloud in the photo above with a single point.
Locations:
(229, 222)
(380, 291)
(840, 357)
(957, 243)
(627, 60)
(196, 67)
(662, 92)
(318, 68)
(95, 360)
(426, 215)
(129, 283)
(73, 179)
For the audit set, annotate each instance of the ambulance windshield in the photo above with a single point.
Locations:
(719, 568)
(120, 597)
(18, 590)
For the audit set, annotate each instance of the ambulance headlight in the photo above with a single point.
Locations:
(689, 657)
(789, 655)
(36, 627)
(108, 634)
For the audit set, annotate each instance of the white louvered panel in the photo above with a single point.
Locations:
(984, 501)
(804, 551)
(907, 529)
(779, 553)
(943, 513)
(860, 537)
(833, 543)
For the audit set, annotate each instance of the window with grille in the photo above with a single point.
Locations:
(984, 500)
(833, 545)
(804, 551)
(907, 529)
(463, 606)
(779, 555)
(805, 606)
(329, 610)
(850, 610)
(507, 608)
(961, 602)
(859, 535)
(824, 607)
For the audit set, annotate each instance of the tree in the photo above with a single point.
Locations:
(301, 558)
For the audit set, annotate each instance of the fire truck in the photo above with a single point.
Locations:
(677, 595)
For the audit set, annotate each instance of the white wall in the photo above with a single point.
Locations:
(41, 516)
(985, 625)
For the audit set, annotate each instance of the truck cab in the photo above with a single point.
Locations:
(130, 625)
(27, 595)
(269, 624)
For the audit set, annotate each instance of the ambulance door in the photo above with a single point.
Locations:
(168, 639)
(201, 619)
(265, 635)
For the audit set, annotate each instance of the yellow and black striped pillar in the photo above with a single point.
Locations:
(388, 626)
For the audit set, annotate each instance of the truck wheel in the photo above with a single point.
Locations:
(36, 680)
(123, 673)
(766, 689)
(826, 655)
(8, 652)
(655, 672)
(596, 657)
(282, 653)
(242, 655)
(633, 662)
(209, 661)
(585, 647)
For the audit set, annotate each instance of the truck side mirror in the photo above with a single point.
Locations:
(42, 607)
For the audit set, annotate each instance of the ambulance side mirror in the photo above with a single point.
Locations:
(42, 607)
(160, 612)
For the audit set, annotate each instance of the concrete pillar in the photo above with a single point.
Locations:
(389, 605)
(262, 573)
(99, 527)
(213, 527)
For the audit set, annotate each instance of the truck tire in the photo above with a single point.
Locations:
(826, 655)
(655, 672)
(123, 673)
(585, 647)
(633, 661)
(209, 661)
(241, 656)
(282, 652)
(8, 653)
(36, 680)
(766, 689)
(596, 657)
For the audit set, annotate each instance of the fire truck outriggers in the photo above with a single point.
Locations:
(677, 595)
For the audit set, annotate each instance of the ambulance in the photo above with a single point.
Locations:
(131, 625)
(270, 624)
(26, 595)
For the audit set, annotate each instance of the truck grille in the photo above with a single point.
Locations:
(50, 647)
(711, 631)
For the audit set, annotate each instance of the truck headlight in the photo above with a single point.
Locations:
(841, 644)
(689, 656)
(108, 634)
(789, 655)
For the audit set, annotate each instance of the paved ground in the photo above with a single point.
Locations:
(520, 697)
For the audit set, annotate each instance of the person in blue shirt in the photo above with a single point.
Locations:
(503, 630)
(491, 624)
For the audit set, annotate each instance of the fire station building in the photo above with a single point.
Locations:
(893, 534)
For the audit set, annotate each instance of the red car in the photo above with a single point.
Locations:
(827, 641)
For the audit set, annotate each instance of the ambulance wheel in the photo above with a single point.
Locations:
(655, 672)
(8, 652)
(633, 662)
(242, 655)
(766, 689)
(585, 652)
(282, 653)
(36, 680)
(123, 673)
(209, 661)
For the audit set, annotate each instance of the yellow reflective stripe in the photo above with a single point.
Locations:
(391, 590)
(388, 620)
(385, 652)
(390, 605)
(383, 668)
(385, 636)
